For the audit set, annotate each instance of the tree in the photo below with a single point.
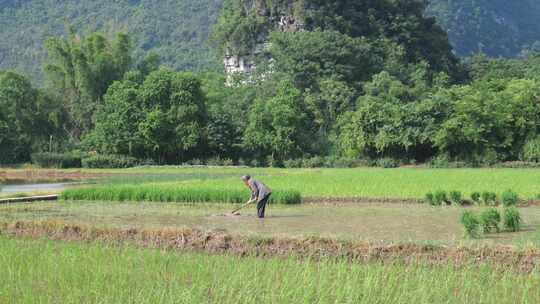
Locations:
(392, 120)
(79, 72)
(275, 127)
(117, 122)
(176, 115)
(27, 118)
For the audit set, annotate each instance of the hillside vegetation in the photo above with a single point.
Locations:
(176, 30)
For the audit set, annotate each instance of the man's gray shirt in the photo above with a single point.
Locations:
(258, 190)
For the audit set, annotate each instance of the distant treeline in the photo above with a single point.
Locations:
(334, 91)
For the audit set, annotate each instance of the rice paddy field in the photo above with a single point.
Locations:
(59, 252)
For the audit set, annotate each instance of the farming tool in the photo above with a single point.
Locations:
(235, 211)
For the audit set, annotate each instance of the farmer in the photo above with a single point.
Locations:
(260, 193)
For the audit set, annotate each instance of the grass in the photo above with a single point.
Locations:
(50, 272)
(189, 193)
(362, 182)
(375, 223)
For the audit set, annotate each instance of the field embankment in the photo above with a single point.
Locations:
(219, 242)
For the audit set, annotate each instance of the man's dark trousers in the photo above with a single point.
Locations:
(261, 206)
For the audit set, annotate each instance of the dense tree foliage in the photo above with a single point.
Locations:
(163, 118)
(28, 119)
(495, 27)
(327, 83)
(79, 72)
(176, 30)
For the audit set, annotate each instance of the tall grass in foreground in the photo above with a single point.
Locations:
(173, 193)
(53, 272)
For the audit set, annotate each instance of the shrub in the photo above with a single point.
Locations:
(456, 197)
(109, 162)
(57, 160)
(490, 220)
(293, 163)
(314, 162)
(475, 197)
(511, 219)
(509, 198)
(173, 193)
(470, 223)
(489, 198)
(387, 163)
(531, 150)
(440, 197)
(430, 199)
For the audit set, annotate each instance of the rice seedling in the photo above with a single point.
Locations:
(512, 219)
(440, 197)
(456, 197)
(173, 193)
(471, 223)
(98, 273)
(489, 220)
(509, 198)
(475, 197)
(489, 198)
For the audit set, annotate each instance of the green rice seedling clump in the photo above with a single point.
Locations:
(429, 198)
(489, 198)
(456, 197)
(490, 220)
(512, 219)
(471, 224)
(440, 197)
(509, 198)
(475, 197)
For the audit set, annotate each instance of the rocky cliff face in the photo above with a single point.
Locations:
(279, 19)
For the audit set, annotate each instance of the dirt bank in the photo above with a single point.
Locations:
(42, 175)
(221, 242)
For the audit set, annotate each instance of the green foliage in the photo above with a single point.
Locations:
(177, 31)
(440, 198)
(28, 119)
(387, 162)
(109, 162)
(509, 198)
(512, 219)
(475, 197)
(456, 197)
(174, 193)
(489, 120)
(430, 198)
(275, 126)
(494, 27)
(80, 70)
(471, 224)
(489, 220)
(163, 118)
(531, 150)
(57, 160)
(489, 198)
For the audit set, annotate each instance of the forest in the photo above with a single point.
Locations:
(361, 83)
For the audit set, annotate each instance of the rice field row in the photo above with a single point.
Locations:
(174, 193)
(411, 183)
(54, 272)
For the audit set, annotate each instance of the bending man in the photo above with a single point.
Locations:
(260, 193)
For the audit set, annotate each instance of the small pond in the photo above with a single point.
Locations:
(36, 187)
